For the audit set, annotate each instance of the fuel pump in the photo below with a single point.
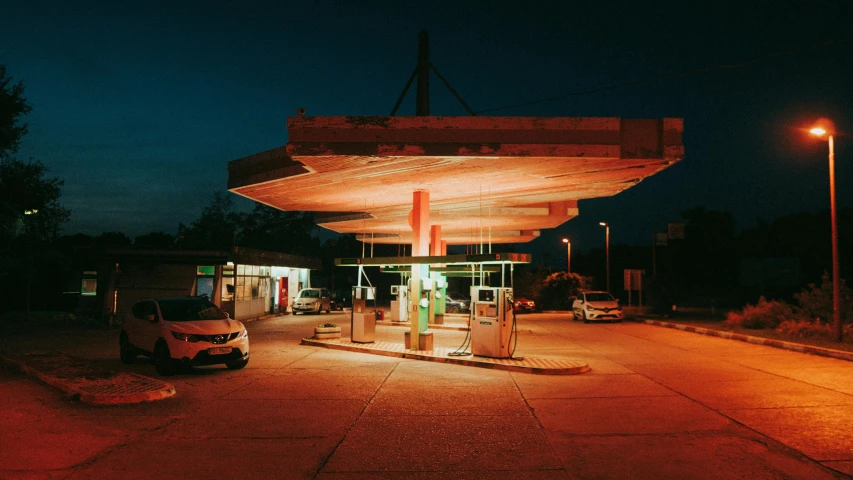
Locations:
(400, 304)
(491, 322)
(362, 321)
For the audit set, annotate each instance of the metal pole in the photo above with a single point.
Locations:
(654, 255)
(568, 255)
(422, 99)
(836, 280)
(607, 247)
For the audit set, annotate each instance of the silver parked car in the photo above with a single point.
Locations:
(312, 300)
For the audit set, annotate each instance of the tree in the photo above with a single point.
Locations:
(111, 240)
(215, 229)
(708, 257)
(556, 288)
(30, 217)
(13, 106)
(155, 240)
(29, 202)
(268, 228)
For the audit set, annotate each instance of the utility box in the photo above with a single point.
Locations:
(363, 320)
(491, 321)
(363, 327)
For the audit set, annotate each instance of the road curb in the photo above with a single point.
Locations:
(769, 342)
(539, 366)
(108, 389)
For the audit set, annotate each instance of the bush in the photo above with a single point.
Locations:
(556, 289)
(816, 302)
(764, 314)
(806, 329)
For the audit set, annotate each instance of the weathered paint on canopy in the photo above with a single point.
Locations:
(500, 177)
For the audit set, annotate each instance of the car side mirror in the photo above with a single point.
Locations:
(151, 317)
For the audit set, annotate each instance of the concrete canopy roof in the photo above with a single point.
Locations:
(503, 177)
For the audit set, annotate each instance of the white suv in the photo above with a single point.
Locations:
(591, 306)
(188, 331)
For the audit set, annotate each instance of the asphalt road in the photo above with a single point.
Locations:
(658, 403)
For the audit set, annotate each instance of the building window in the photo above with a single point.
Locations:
(89, 283)
(89, 287)
(250, 283)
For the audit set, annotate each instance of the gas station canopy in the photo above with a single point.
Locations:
(504, 178)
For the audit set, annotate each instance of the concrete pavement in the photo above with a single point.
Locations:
(657, 403)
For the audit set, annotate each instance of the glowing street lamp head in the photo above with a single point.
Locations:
(822, 127)
(566, 240)
(603, 224)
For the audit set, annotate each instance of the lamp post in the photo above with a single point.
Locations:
(607, 250)
(29, 262)
(825, 129)
(568, 255)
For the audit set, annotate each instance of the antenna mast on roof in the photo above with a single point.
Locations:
(421, 72)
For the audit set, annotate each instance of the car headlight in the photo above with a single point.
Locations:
(186, 337)
(619, 307)
(243, 334)
(590, 307)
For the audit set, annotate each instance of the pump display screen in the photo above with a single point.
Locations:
(487, 295)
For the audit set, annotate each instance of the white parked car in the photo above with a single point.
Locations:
(596, 306)
(312, 300)
(183, 331)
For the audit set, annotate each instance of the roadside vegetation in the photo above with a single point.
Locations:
(807, 317)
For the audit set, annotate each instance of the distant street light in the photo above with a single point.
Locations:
(607, 249)
(825, 128)
(568, 255)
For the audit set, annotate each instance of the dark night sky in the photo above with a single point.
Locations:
(139, 106)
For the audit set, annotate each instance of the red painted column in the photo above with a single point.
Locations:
(435, 240)
(418, 317)
(420, 223)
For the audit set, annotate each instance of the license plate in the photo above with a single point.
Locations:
(219, 350)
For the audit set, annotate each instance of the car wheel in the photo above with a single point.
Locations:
(163, 362)
(126, 350)
(319, 308)
(329, 308)
(453, 309)
(585, 320)
(237, 365)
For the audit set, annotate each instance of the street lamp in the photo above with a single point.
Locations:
(568, 255)
(825, 128)
(29, 262)
(607, 249)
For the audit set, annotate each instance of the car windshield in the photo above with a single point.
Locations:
(599, 297)
(189, 309)
(309, 294)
